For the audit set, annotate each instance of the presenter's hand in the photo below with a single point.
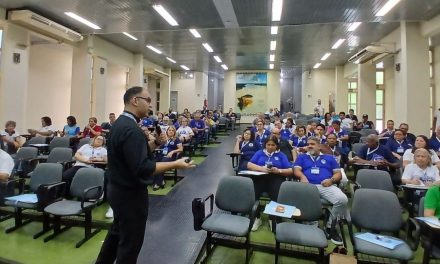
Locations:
(181, 164)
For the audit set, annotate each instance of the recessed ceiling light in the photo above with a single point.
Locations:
(129, 35)
(326, 56)
(154, 49)
(272, 57)
(338, 43)
(217, 58)
(273, 45)
(387, 7)
(354, 26)
(316, 65)
(195, 33)
(164, 13)
(184, 67)
(207, 47)
(173, 61)
(277, 9)
(225, 67)
(274, 30)
(82, 20)
(357, 61)
(271, 66)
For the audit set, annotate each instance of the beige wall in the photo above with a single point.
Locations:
(273, 94)
(49, 86)
(116, 85)
(190, 92)
(317, 85)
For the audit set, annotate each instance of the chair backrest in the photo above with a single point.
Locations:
(83, 142)
(237, 115)
(374, 179)
(85, 178)
(59, 142)
(26, 153)
(222, 120)
(368, 131)
(376, 210)
(45, 173)
(60, 155)
(36, 140)
(356, 147)
(303, 196)
(235, 194)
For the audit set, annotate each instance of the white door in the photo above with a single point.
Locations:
(173, 100)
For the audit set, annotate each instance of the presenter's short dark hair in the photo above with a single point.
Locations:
(131, 92)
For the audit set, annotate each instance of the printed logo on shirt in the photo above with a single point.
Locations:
(323, 161)
(276, 158)
(172, 143)
(251, 145)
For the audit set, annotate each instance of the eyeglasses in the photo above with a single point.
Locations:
(147, 99)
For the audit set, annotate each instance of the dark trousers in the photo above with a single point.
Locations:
(269, 184)
(125, 238)
(159, 178)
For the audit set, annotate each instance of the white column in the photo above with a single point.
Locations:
(99, 88)
(165, 86)
(137, 71)
(367, 91)
(341, 87)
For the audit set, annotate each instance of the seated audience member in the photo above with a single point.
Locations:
(284, 145)
(267, 124)
(365, 123)
(247, 146)
(159, 117)
(421, 172)
(327, 120)
(299, 141)
(170, 151)
(166, 122)
(231, 118)
(10, 137)
(352, 116)
(432, 206)
(92, 129)
(107, 126)
(198, 127)
(6, 166)
(335, 117)
(289, 115)
(398, 144)
(346, 123)
(421, 142)
(46, 129)
(270, 112)
(411, 137)
(342, 138)
(272, 161)
(332, 143)
(389, 130)
(86, 156)
(211, 122)
(261, 134)
(434, 141)
(311, 129)
(331, 148)
(378, 156)
(178, 121)
(320, 133)
(184, 132)
(186, 111)
(71, 129)
(288, 130)
(323, 171)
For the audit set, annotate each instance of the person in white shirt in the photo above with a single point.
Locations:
(6, 166)
(10, 137)
(421, 172)
(421, 142)
(319, 108)
(46, 129)
(184, 132)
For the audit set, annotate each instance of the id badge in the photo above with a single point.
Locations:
(315, 170)
(165, 151)
(400, 150)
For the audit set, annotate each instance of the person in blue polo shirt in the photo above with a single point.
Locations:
(342, 139)
(261, 134)
(300, 139)
(273, 162)
(247, 147)
(323, 171)
(198, 127)
(398, 144)
(434, 141)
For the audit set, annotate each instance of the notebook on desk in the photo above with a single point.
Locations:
(384, 241)
(249, 172)
(24, 198)
(430, 220)
(277, 209)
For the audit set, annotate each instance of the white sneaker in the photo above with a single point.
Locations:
(257, 224)
(270, 225)
(109, 213)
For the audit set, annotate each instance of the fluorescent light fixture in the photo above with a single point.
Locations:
(354, 26)
(217, 58)
(164, 13)
(129, 35)
(274, 30)
(82, 20)
(184, 67)
(357, 62)
(316, 65)
(173, 61)
(271, 66)
(195, 33)
(225, 67)
(272, 57)
(273, 45)
(154, 49)
(326, 56)
(338, 43)
(277, 9)
(207, 47)
(387, 7)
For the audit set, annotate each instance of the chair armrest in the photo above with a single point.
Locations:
(50, 193)
(356, 186)
(85, 197)
(7, 188)
(413, 233)
(253, 213)
(350, 230)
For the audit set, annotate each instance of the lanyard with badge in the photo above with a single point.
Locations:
(165, 149)
(243, 145)
(372, 151)
(400, 149)
(315, 169)
(438, 140)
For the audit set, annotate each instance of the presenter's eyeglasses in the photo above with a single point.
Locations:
(148, 100)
